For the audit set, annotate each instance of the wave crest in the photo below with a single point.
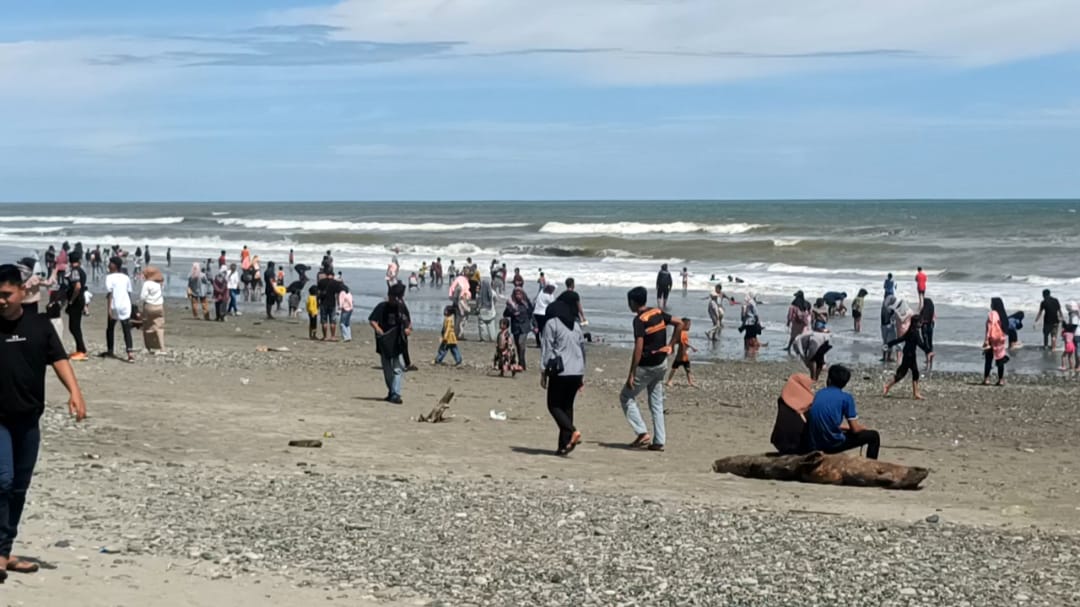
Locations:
(327, 225)
(630, 228)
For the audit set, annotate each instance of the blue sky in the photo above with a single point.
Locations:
(521, 99)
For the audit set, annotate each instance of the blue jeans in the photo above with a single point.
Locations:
(651, 379)
(19, 443)
(393, 369)
(346, 325)
(443, 347)
(233, 294)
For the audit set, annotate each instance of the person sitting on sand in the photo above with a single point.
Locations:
(913, 341)
(682, 356)
(830, 409)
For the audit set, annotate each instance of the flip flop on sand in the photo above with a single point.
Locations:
(20, 566)
(642, 441)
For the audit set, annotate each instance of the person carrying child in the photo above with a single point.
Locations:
(449, 338)
(682, 356)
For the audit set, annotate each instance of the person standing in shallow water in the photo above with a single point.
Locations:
(28, 345)
(663, 286)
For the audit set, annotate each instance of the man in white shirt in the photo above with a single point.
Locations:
(118, 301)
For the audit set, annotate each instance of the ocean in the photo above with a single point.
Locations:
(971, 250)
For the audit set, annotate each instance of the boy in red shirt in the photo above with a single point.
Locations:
(920, 284)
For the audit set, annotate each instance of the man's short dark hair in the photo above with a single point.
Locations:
(920, 268)
(839, 376)
(10, 274)
(569, 283)
(397, 290)
(1046, 292)
(638, 296)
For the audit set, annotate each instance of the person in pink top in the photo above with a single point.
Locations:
(920, 284)
(994, 344)
(345, 307)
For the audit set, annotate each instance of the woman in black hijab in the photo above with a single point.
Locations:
(562, 357)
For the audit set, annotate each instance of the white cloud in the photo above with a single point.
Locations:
(646, 41)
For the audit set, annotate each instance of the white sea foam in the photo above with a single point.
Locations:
(631, 228)
(326, 225)
(785, 242)
(37, 230)
(93, 220)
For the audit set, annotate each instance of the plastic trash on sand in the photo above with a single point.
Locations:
(499, 416)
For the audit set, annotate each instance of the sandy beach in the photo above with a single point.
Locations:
(180, 489)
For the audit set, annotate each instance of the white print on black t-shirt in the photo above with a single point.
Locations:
(14, 339)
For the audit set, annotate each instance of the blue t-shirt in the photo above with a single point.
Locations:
(829, 409)
(890, 287)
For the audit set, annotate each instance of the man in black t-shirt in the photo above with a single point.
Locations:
(647, 367)
(28, 344)
(393, 325)
(663, 286)
(329, 288)
(76, 305)
(1050, 314)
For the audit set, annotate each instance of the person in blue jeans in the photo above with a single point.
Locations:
(830, 409)
(393, 325)
(28, 344)
(648, 367)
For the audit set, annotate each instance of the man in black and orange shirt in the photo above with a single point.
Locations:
(28, 344)
(647, 367)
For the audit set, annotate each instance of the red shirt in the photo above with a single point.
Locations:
(920, 281)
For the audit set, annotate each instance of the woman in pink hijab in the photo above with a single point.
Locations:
(994, 345)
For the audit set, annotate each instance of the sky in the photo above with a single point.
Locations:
(124, 100)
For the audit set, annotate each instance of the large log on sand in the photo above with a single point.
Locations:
(818, 467)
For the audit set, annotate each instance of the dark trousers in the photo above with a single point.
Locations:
(520, 340)
(928, 336)
(562, 390)
(75, 316)
(854, 440)
(908, 363)
(110, 339)
(219, 309)
(988, 362)
(19, 443)
(540, 320)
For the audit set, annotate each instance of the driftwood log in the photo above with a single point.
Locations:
(438, 412)
(818, 467)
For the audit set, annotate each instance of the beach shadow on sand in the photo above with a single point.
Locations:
(374, 399)
(533, 451)
(622, 446)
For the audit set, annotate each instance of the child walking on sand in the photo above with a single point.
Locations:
(449, 338)
(682, 357)
(313, 311)
(913, 342)
(506, 350)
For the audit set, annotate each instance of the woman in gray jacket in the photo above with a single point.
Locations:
(562, 356)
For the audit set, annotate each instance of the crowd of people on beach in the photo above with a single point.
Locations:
(36, 292)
